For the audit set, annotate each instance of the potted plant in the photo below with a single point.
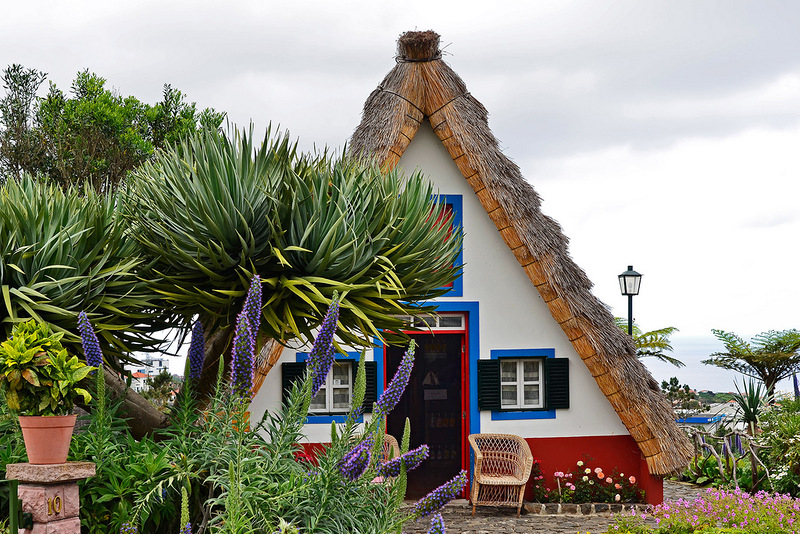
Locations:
(40, 381)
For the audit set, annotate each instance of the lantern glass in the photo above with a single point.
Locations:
(629, 282)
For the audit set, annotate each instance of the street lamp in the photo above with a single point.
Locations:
(629, 283)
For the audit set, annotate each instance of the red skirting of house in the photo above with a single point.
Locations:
(611, 453)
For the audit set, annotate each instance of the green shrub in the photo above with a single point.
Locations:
(780, 438)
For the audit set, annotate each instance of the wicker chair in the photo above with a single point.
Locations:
(390, 447)
(502, 467)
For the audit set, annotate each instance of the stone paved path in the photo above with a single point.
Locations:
(490, 520)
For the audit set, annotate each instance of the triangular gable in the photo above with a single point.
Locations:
(423, 87)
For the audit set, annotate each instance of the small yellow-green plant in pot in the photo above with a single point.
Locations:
(41, 382)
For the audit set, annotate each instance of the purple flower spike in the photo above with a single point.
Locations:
(391, 396)
(355, 462)
(435, 500)
(91, 346)
(437, 525)
(321, 358)
(127, 528)
(252, 304)
(196, 351)
(412, 458)
(242, 357)
(187, 529)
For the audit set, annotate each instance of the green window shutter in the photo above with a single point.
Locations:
(371, 394)
(290, 373)
(488, 384)
(557, 383)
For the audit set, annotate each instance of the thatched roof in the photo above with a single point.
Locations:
(422, 87)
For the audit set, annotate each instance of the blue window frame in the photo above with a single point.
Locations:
(456, 206)
(521, 355)
(352, 357)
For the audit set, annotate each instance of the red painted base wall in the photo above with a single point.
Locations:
(609, 452)
(612, 453)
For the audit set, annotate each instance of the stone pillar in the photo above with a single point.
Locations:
(49, 492)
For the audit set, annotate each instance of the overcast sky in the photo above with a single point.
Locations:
(659, 134)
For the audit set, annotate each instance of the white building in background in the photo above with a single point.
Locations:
(151, 366)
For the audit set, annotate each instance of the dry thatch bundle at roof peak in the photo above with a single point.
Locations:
(423, 88)
(418, 46)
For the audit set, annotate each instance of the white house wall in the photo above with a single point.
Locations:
(512, 313)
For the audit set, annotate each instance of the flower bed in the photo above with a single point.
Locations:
(584, 484)
(715, 512)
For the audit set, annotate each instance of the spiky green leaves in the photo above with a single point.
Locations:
(62, 252)
(222, 209)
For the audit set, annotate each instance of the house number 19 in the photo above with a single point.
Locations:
(54, 505)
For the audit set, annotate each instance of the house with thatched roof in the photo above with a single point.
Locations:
(520, 344)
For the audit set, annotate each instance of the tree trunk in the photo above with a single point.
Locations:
(143, 418)
(218, 343)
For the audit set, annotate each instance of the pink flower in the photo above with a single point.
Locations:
(617, 486)
(601, 475)
(632, 480)
(571, 486)
(598, 470)
(617, 497)
(558, 474)
(609, 480)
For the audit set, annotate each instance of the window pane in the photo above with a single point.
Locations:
(425, 321)
(531, 395)
(318, 402)
(531, 370)
(451, 321)
(508, 394)
(341, 374)
(508, 372)
(341, 399)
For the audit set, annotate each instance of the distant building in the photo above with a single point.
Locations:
(138, 381)
(150, 366)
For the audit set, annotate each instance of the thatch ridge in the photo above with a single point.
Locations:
(422, 87)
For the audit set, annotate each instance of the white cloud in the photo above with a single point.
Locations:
(777, 96)
(712, 224)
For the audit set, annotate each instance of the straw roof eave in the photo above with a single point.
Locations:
(423, 87)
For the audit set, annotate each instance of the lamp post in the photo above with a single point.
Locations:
(629, 283)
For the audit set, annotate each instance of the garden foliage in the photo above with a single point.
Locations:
(218, 474)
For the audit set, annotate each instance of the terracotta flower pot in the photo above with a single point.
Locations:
(47, 437)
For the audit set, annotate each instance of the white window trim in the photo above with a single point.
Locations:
(329, 388)
(520, 384)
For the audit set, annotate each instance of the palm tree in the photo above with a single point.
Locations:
(770, 356)
(652, 344)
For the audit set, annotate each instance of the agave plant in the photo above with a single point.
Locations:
(751, 401)
(221, 209)
(62, 252)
